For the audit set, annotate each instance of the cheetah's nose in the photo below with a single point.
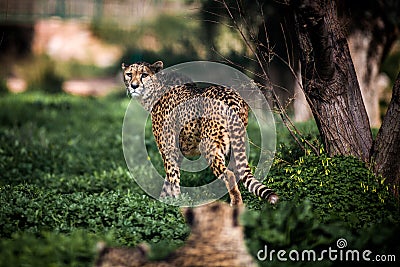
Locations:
(134, 86)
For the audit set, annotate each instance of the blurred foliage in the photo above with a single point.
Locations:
(295, 226)
(39, 74)
(3, 86)
(171, 38)
(391, 65)
(175, 39)
(75, 70)
(44, 74)
(49, 249)
(64, 186)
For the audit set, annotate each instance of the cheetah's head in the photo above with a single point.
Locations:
(137, 75)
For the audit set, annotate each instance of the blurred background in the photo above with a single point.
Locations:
(77, 46)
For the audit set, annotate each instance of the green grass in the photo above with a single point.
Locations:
(64, 186)
(63, 172)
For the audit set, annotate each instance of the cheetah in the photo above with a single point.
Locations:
(188, 120)
(211, 242)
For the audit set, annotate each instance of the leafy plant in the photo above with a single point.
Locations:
(64, 185)
(295, 226)
(49, 249)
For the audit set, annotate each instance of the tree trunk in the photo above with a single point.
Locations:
(330, 81)
(367, 66)
(386, 150)
(302, 111)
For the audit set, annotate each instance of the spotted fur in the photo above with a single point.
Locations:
(188, 120)
(212, 242)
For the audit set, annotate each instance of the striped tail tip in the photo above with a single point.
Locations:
(273, 198)
(260, 190)
(267, 194)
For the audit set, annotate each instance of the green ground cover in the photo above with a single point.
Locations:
(64, 186)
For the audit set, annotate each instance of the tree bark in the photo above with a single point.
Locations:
(330, 81)
(386, 149)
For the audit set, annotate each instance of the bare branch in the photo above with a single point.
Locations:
(263, 54)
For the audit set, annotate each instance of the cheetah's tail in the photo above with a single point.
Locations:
(258, 189)
(242, 169)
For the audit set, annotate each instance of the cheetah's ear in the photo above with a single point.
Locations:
(189, 215)
(123, 66)
(157, 66)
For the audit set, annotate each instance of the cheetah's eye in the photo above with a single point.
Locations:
(143, 75)
(129, 75)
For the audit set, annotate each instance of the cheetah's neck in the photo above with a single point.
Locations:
(154, 91)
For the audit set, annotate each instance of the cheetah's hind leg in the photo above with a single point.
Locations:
(216, 159)
(170, 189)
